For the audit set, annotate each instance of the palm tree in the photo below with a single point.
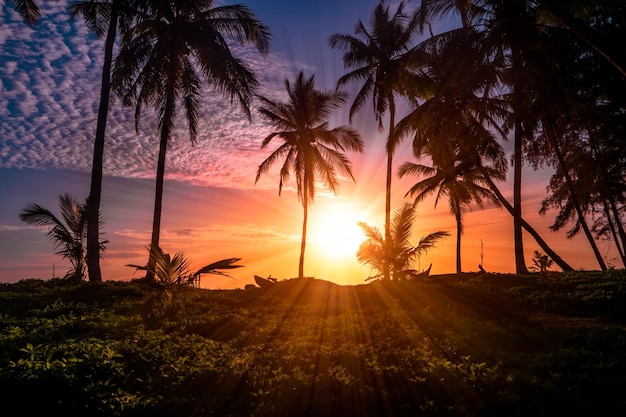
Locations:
(159, 59)
(454, 123)
(381, 58)
(170, 271)
(401, 253)
(66, 233)
(28, 9)
(454, 177)
(310, 148)
(102, 17)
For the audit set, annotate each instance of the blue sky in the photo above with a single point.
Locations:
(49, 91)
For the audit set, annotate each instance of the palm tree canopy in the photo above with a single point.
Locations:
(28, 10)
(167, 269)
(214, 268)
(63, 231)
(67, 232)
(380, 56)
(401, 252)
(310, 148)
(175, 45)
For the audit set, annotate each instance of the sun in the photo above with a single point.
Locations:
(335, 232)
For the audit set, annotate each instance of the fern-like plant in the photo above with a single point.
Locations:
(402, 253)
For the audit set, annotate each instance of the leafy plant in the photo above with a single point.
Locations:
(175, 270)
(67, 233)
(541, 263)
(401, 252)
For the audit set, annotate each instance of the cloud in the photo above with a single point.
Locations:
(49, 94)
(245, 232)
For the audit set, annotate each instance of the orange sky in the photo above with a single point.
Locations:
(212, 207)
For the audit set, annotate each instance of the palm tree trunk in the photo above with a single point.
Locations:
(520, 263)
(556, 258)
(553, 139)
(95, 191)
(160, 176)
(613, 230)
(458, 240)
(390, 149)
(620, 228)
(305, 208)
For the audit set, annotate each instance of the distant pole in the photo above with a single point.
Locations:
(482, 261)
(53, 273)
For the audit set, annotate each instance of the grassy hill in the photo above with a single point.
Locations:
(468, 345)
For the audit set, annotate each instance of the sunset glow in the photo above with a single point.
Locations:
(336, 232)
(212, 206)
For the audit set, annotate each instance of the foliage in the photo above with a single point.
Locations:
(170, 271)
(311, 149)
(541, 263)
(463, 345)
(67, 233)
(401, 252)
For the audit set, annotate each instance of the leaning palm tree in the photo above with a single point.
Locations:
(102, 17)
(310, 149)
(167, 56)
(402, 253)
(381, 58)
(66, 233)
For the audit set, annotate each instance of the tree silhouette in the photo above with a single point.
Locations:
(102, 17)
(67, 233)
(157, 61)
(399, 252)
(381, 57)
(170, 271)
(311, 150)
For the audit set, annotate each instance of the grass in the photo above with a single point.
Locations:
(458, 345)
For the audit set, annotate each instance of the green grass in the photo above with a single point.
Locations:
(469, 345)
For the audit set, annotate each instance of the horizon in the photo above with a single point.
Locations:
(49, 83)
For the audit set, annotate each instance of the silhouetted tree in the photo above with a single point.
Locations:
(311, 150)
(399, 252)
(380, 57)
(67, 233)
(160, 57)
(101, 17)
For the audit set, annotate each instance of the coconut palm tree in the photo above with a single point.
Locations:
(67, 233)
(311, 149)
(402, 253)
(102, 17)
(175, 48)
(380, 57)
(454, 177)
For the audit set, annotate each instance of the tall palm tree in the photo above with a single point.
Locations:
(453, 122)
(167, 56)
(67, 233)
(312, 150)
(381, 57)
(403, 253)
(102, 17)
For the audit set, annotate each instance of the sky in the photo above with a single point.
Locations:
(213, 209)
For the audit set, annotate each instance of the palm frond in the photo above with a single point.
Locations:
(214, 268)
